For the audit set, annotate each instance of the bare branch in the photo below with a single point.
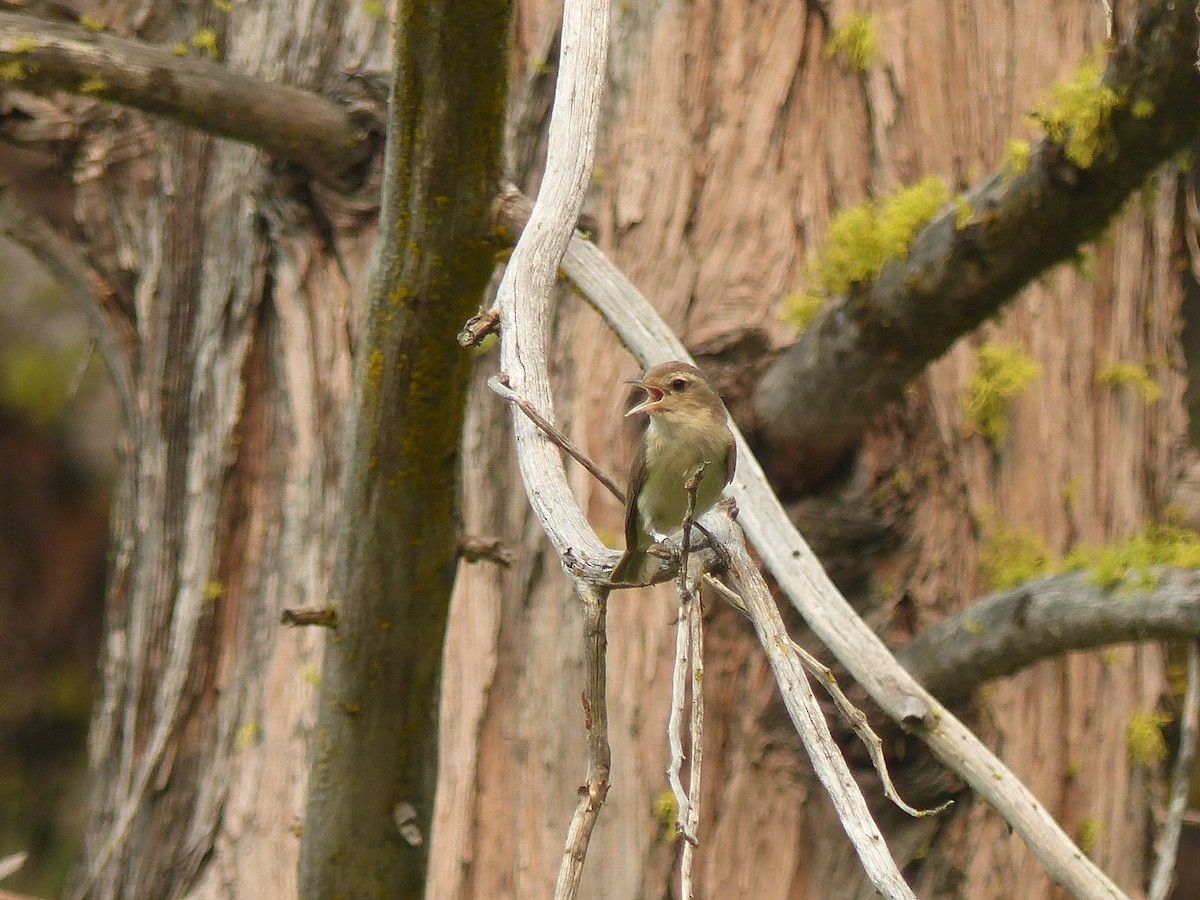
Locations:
(1009, 631)
(329, 139)
(862, 350)
(599, 756)
(1181, 778)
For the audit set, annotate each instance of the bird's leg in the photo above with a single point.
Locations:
(723, 559)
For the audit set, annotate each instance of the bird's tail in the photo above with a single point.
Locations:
(637, 566)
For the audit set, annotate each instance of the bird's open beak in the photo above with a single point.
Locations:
(653, 398)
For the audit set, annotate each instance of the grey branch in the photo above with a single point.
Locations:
(329, 139)
(815, 401)
(1010, 630)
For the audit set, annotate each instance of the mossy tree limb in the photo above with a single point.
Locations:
(862, 350)
(374, 765)
(1006, 632)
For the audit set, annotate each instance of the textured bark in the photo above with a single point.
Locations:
(231, 295)
(731, 139)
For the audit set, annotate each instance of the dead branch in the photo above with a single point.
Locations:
(329, 139)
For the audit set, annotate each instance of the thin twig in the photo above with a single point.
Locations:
(499, 385)
(478, 327)
(1181, 776)
(320, 616)
(488, 549)
(594, 602)
(854, 716)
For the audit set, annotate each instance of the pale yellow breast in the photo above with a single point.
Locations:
(672, 454)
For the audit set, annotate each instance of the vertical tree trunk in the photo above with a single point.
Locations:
(732, 138)
(233, 293)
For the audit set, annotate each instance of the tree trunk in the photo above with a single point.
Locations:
(233, 291)
(731, 139)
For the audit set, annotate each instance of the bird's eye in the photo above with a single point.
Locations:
(679, 384)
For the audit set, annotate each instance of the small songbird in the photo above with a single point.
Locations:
(688, 425)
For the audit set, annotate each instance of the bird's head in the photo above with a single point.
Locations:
(677, 391)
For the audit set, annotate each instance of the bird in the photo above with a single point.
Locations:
(687, 426)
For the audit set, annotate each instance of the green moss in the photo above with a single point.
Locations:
(665, 811)
(864, 237)
(800, 309)
(855, 38)
(1075, 113)
(1130, 562)
(1089, 833)
(247, 736)
(1016, 156)
(963, 214)
(1009, 556)
(1144, 742)
(1002, 371)
(1118, 374)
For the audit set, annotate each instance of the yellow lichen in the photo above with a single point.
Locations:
(1075, 113)
(1011, 555)
(91, 23)
(1144, 742)
(93, 84)
(1089, 833)
(1016, 156)
(214, 590)
(223, 5)
(800, 308)
(180, 49)
(247, 736)
(1142, 108)
(1119, 374)
(1002, 371)
(855, 37)
(22, 45)
(864, 237)
(205, 40)
(374, 8)
(665, 810)
(1130, 562)
(963, 214)
(13, 70)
